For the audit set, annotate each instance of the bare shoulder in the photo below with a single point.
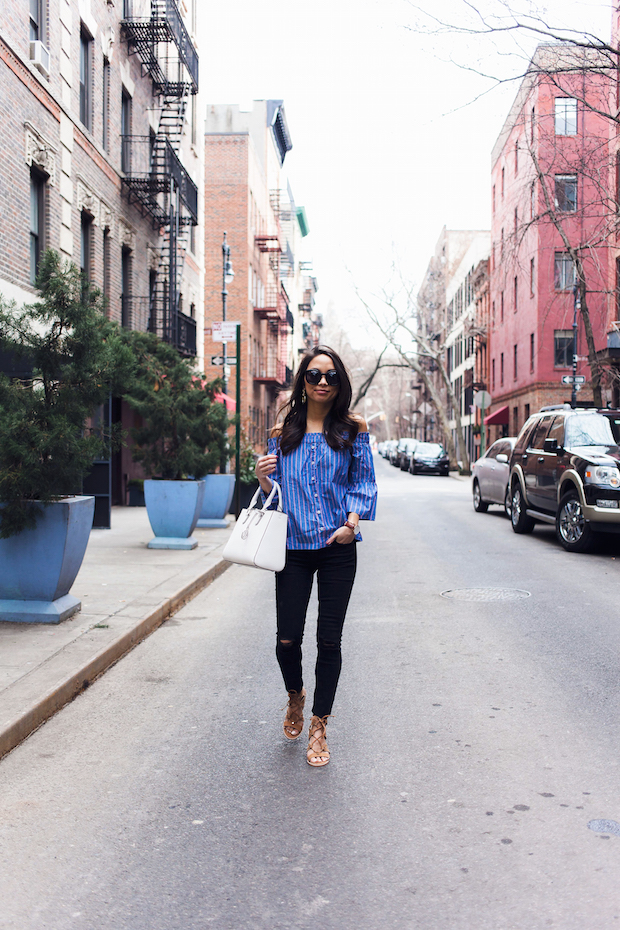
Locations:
(362, 425)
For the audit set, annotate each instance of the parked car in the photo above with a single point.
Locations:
(565, 470)
(395, 452)
(389, 449)
(429, 457)
(490, 474)
(404, 451)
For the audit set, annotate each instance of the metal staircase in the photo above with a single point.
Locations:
(155, 179)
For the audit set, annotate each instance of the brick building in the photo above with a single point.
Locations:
(551, 177)
(100, 162)
(246, 195)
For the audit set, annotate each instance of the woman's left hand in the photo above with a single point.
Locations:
(343, 535)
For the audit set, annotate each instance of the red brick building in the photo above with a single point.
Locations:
(550, 187)
(272, 294)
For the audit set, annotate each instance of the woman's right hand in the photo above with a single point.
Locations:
(265, 466)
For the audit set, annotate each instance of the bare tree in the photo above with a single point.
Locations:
(403, 331)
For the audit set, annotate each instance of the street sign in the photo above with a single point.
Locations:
(224, 331)
(219, 360)
(483, 399)
(578, 379)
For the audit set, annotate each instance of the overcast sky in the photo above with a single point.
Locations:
(388, 146)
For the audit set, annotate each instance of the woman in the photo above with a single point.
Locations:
(320, 456)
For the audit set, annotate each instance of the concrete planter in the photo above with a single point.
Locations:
(173, 508)
(38, 567)
(218, 495)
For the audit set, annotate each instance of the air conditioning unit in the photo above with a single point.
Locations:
(40, 57)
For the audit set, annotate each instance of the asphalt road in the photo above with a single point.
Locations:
(473, 746)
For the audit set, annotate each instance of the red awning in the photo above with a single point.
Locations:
(231, 403)
(498, 418)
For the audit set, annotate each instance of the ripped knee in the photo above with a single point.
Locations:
(327, 644)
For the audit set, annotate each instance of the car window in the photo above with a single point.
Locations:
(614, 422)
(430, 448)
(537, 440)
(493, 450)
(591, 430)
(525, 434)
(503, 447)
(557, 431)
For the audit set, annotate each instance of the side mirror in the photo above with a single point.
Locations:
(502, 457)
(551, 445)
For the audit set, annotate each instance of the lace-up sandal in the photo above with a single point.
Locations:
(318, 753)
(294, 721)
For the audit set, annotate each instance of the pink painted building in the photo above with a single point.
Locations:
(551, 191)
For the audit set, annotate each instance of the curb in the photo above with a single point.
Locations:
(90, 668)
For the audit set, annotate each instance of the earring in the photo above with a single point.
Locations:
(304, 396)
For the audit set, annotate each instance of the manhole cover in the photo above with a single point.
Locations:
(486, 594)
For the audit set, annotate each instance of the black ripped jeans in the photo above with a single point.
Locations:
(335, 568)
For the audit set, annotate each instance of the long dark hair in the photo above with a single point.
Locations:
(339, 428)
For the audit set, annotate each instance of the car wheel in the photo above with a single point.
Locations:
(571, 528)
(521, 523)
(508, 502)
(413, 470)
(480, 506)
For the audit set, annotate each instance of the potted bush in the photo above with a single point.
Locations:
(248, 481)
(135, 486)
(69, 357)
(182, 434)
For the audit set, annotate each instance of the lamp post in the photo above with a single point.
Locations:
(227, 276)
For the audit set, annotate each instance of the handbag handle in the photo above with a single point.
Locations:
(276, 487)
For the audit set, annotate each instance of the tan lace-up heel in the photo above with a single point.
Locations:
(294, 721)
(318, 753)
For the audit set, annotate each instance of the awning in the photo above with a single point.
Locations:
(498, 418)
(231, 403)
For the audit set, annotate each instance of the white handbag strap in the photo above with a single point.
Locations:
(266, 505)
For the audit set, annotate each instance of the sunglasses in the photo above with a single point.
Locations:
(314, 376)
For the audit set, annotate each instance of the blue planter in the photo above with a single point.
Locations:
(173, 508)
(216, 504)
(39, 566)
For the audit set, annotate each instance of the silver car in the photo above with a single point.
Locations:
(490, 476)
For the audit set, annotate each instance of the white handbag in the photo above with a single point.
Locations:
(259, 535)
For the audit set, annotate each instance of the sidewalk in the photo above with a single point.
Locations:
(127, 591)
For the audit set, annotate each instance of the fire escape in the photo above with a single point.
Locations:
(155, 179)
(275, 308)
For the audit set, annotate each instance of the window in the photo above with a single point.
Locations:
(86, 80)
(531, 352)
(516, 221)
(106, 265)
(557, 431)
(503, 181)
(532, 276)
(493, 374)
(193, 119)
(563, 348)
(532, 123)
(565, 116)
(533, 200)
(37, 222)
(515, 362)
(105, 132)
(516, 294)
(493, 199)
(36, 21)
(566, 192)
(125, 132)
(86, 228)
(538, 437)
(493, 313)
(564, 272)
(515, 420)
(501, 369)
(501, 307)
(501, 251)
(192, 239)
(126, 285)
(516, 158)
(526, 412)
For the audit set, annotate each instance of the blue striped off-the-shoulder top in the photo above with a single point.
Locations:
(321, 486)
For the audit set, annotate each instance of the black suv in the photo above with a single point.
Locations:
(565, 470)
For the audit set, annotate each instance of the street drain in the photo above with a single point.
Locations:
(605, 826)
(486, 594)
